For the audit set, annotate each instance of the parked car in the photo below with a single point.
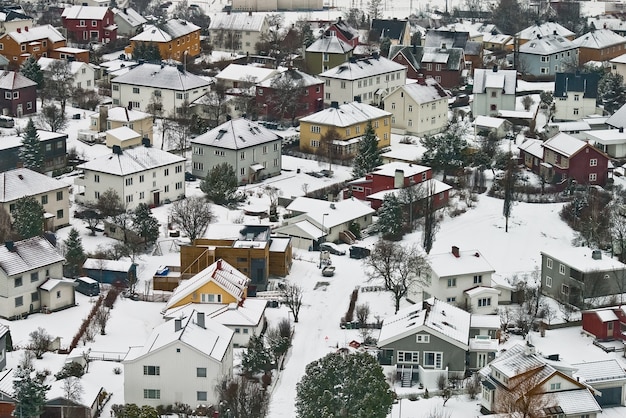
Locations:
(332, 248)
(189, 176)
(359, 252)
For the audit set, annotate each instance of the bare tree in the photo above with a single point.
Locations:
(40, 342)
(292, 297)
(242, 397)
(286, 99)
(521, 399)
(72, 393)
(102, 317)
(52, 118)
(193, 214)
(5, 225)
(398, 266)
(59, 80)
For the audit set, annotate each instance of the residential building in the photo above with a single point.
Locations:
(12, 17)
(497, 42)
(327, 52)
(490, 125)
(599, 45)
(314, 221)
(610, 141)
(116, 117)
(53, 149)
(575, 95)
(616, 24)
(53, 194)
(238, 76)
(84, 73)
(181, 361)
(138, 175)
(545, 56)
(367, 80)
(165, 86)
(605, 324)
(39, 41)
(445, 65)
(542, 30)
(618, 65)
(392, 178)
(577, 275)
(85, 24)
(252, 150)
(237, 32)
(397, 31)
(343, 31)
(24, 267)
(519, 372)
(349, 121)
(309, 96)
(57, 404)
(18, 94)
(274, 5)
(494, 90)
(433, 338)
(4, 335)
(445, 39)
(419, 108)
(129, 22)
(123, 137)
(606, 377)
(618, 119)
(567, 158)
(239, 81)
(531, 154)
(177, 39)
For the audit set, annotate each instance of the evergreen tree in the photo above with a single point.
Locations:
(28, 217)
(30, 151)
(510, 17)
(446, 152)
(147, 51)
(256, 358)
(390, 217)
(74, 254)
(220, 184)
(30, 394)
(611, 92)
(145, 224)
(32, 70)
(368, 155)
(344, 385)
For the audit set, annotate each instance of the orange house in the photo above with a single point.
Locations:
(40, 41)
(599, 45)
(175, 39)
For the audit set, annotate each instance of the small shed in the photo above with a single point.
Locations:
(498, 126)
(604, 323)
(123, 137)
(110, 271)
(57, 294)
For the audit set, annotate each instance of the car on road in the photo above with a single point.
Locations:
(332, 248)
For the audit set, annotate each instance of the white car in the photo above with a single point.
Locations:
(332, 248)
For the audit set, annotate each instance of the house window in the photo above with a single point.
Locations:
(565, 289)
(200, 371)
(18, 282)
(577, 97)
(201, 396)
(325, 56)
(264, 149)
(29, 105)
(151, 394)
(422, 338)
(348, 132)
(593, 162)
(19, 301)
(493, 108)
(59, 196)
(129, 181)
(452, 282)
(7, 95)
(545, 59)
(166, 172)
(44, 199)
(315, 144)
(433, 359)
(410, 108)
(315, 129)
(151, 370)
(410, 122)
(179, 185)
(451, 300)
(561, 269)
(34, 297)
(242, 172)
(129, 198)
(275, 162)
(81, 23)
(141, 178)
(478, 279)
(555, 386)
(16, 94)
(549, 263)
(343, 84)
(482, 302)
(96, 195)
(210, 298)
(242, 155)
(34, 277)
(141, 195)
(260, 91)
(198, 166)
(60, 214)
(115, 87)
(494, 94)
(179, 95)
(136, 90)
(548, 281)
(408, 357)
(576, 110)
(593, 177)
(167, 188)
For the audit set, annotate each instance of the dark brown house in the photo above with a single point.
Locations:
(443, 64)
(18, 94)
(53, 148)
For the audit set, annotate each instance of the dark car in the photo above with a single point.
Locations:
(460, 100)
(359, 252)
(189, 176)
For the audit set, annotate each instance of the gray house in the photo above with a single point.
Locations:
(545, 56)
(494, 90)
(578, 275)
(252, 150)
(433, 338)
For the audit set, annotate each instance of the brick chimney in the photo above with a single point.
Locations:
(455, 251)
(219, 264)
(178, 325)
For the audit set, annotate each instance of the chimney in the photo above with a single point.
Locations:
(443, 46)
(334, 105)
(200, 319)
(117, 150)
(529, 350)
(219, 264)
(178, 324)
(398, 179)
(228, 12)
(455, 251)
(421, 79)
(495, 68)
(621, 129)
(146, 142)
(10, 246)
(19, 30)
(250, 13)
(596, 255)
(26, 28)
(554, 32)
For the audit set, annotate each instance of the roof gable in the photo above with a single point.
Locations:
(495, 78)
(390, 28)
(237, 134)
(586, 83)
(22, 182)
(28, 254)
(167, 77)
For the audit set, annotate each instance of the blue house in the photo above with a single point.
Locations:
(110, 271)
(545, 56)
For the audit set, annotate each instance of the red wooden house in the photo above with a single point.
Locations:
(311, 97)
(344, 31)
(18, 94)
(391, 178)
(89, 24)
(605, 324)
(444, 64)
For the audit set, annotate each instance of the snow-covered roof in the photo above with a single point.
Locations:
(6, 382)
(131, 160)
(488, 78)
(355, 69)
(295, 76)
(607, 22)
(619, 60)
(544, 29)
(123, 133)
(22, 182)
(221, 273)
(123, 114)
(547, 45)
(408, 169)
(489, 121)
(598, 39)
(37, 33)
(248, 313)
(130, 16)
(330, 214)
(426, 91)
(485, 321)
(580, 259)
(439, 318)
(10, 80)
(572, 402)
(599, 371)
(468, 262)
(330, 45)
(162, 76)
(110, 265)
(237, 134)
(172, 29)
(213, 340)
(301, 226)
(607, 136)
(249, 22)
(618, 119)
(571, 126)
(28, 254)
(50, 284)
(431, 186)
(239, 72)
(564, 144)
(75, 66)
(85, 12)
(345, 115)
(480, 290)
(533, 147)
(606, 315)
(518, 359)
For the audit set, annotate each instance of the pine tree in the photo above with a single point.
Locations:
(446, 152)
(28, 217)
(611, 92)
(257, 358)
(145, 224)
(74, 254)
(368, 155)
(30, 394)
(32, 70)
(220, 184)
(30, 151)
(390, 217)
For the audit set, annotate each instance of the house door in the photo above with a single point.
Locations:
(156, 198)
(481, 360)
(19, 112)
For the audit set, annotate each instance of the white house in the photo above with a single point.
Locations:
(84, 73)
(128, 21)
(165, 86)
(24, 267)
(575, 95)
(367, 80)
(237, 32)
(182, 361)
(252, 150)
(494, 90)
(138, 175)
(419, 108)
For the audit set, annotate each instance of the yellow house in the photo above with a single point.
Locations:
(349, 120)
(219, 283)
(175, 39)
